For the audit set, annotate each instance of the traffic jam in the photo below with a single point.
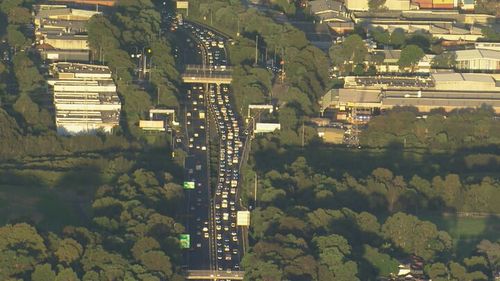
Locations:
(224, 208)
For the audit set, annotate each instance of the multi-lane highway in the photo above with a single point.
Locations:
(212, 210)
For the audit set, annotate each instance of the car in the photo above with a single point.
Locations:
(206, 235)
(235, 238)
(205, 229)
(198, 245)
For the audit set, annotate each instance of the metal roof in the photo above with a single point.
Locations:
(323, 6)
(459, 77)
(477, 54)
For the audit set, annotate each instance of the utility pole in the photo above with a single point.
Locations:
(256, 48)
(265, 57)
(303, 134)
(282, 65)
(255, 192)
(158, 96)
(238, 33)
(144, 66)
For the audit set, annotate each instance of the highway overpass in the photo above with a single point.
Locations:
(214, 275)
(204, 75)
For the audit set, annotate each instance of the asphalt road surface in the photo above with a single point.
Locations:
(211, 218)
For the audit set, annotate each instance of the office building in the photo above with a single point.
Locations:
(85, 98)
(61, 33)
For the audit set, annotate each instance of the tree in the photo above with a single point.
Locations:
(15, 37)
(21, 248)
(67, 274)
(384, 264)
(143, 245)
(157, 261)
(445, 60)
(333, 251)
(410, 56)
(492, 252)
(28, 78)
(398, 37)
(376, 5)
(350, 52)
(359, 70)
(416, 237)
(437, 271)
(490, 34)
(7, 5)
(381, 35)
(68, 251)
(288, 118)
(43, 272)
(19, 15)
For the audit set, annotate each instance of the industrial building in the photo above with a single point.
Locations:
(362, 5)
(478, 59)
(61, 33)
(404, 5)
(108, 3)
(85, 98)
(487, 46)
(357, 5)
(391, 59)
(446, 90)
(328, 10)
(333, 13)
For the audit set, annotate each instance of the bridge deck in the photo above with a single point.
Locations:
(214, 275)
(200, 74)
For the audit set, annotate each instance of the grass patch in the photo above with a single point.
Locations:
(36, 204)
(467, 232)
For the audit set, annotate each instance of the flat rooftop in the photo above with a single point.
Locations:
(411, 98)
(75, 24)
(390, 81)
(323, 6)
(460, 77)
(478, 54)
(67, 36)
(87, 117)
(86, 98)
(358, 96)
(65, 67)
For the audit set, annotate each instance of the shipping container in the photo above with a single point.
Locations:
(443, 4)
(423, 4)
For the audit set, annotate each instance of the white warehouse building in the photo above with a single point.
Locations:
(478, 59)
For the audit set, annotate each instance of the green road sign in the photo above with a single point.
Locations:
(188, 185)
(185, 241)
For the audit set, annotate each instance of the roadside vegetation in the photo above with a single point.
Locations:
(102, 207)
